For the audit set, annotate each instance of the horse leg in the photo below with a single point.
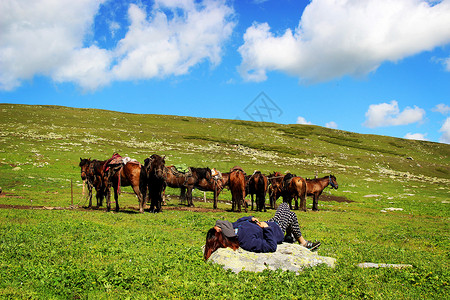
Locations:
(303, 202)
(315, 202)
(182, 194)
(90, 194)
(296, 202)
(108, 199)
(116, 197)
(263, 202)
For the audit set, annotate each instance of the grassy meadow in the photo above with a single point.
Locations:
(398, 209)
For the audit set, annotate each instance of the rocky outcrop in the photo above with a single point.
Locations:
(288, 257)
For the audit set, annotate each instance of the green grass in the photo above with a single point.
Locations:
(76, 253)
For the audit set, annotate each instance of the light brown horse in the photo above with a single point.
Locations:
(315, 187)
(257, 185)
(295, 188)
(237, 184)
(275, 188)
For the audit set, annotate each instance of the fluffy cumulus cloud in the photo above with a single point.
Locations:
(340, 37)
(442, 108)
(157, 45)
(416, 136)
(46, 37)
(302, 120)
(389, 114)
(38, 37)
(445, 129)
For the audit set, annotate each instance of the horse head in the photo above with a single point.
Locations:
(155, 165)
(333, 182)
(84, 165)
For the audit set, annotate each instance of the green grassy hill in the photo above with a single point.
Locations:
(41, 146)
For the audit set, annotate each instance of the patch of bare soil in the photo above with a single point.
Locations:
(330, 198)
(174, 206)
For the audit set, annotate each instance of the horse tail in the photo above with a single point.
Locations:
(143, 180)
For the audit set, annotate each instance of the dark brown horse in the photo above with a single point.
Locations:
(154, 167)
(315, 187)
(93, 179)
(257, 185)
(130, 174)
(275, 188)
(237, 185)
(177, 179)
(203, 180)
(87, 178)
(294, 187)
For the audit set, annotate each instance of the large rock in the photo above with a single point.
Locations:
(288, 257)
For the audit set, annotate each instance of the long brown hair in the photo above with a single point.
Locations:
(216, 240)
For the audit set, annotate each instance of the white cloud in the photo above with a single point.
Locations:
(442, 108)
(416, 136)
(332, 125)
(302, 120)
(447, 64)
(445, 129)
(47, 37)
(388, 114)
(337, 38)
(157, 46)
(38, 36)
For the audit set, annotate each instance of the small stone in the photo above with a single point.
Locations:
(382, 265)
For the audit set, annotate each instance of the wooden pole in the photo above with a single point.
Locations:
(71, 192)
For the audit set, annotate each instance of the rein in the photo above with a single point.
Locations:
(331, 182)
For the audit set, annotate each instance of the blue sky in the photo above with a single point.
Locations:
(367, 66)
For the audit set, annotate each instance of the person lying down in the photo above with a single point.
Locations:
(252, 235)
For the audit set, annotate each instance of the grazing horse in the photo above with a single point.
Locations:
(237, 187)
(93, 179)
(154, 168)
(130, 174)
(315, 187)
(257, 184)
(275, 188)
(293, 189)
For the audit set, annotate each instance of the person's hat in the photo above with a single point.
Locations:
(227, 228)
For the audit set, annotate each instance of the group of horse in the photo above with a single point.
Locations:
(149, 181)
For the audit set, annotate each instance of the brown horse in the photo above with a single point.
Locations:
(257, 185)
(203, 180)
(93, 179)
(87, 178)
(294, 187)
(315, 187)
(237, 185)
(154, 169)
(176, 179)
(275, 188)
(130, 174)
